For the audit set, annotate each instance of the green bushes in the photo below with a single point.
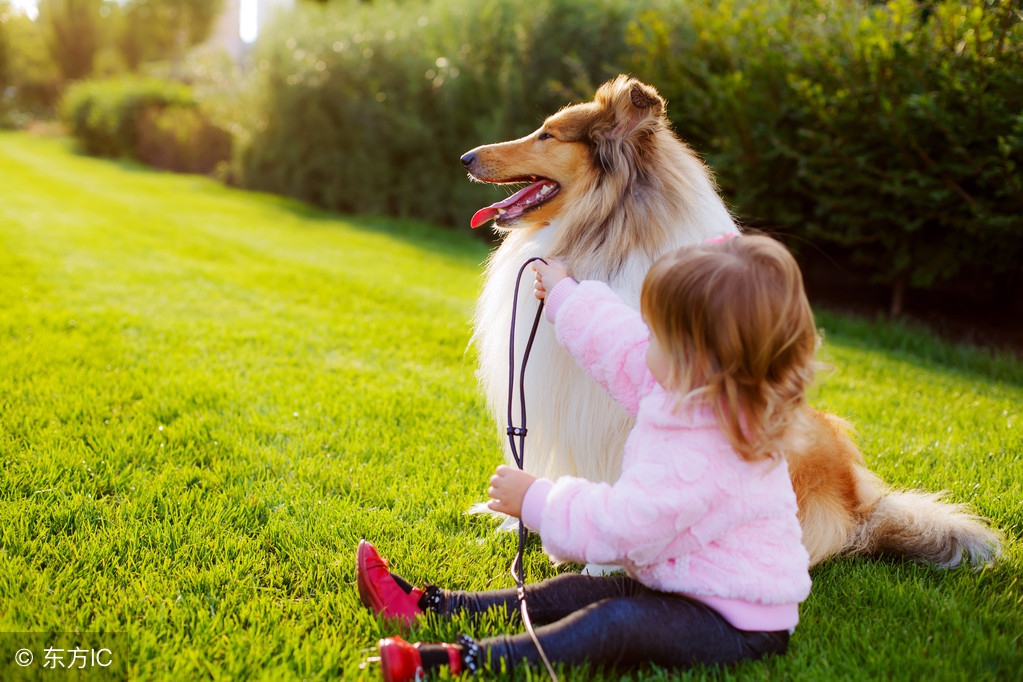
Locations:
(181, 139)
(892, 132)
(154, 121)
(915, 152)
(368, 107)
(888, 135)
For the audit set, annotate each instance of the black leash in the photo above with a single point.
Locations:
(519, 451)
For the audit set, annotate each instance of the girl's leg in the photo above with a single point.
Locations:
(548, 601)
(389, 595)
(628, 631)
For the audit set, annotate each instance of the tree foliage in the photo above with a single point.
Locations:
(163, 29)
(5, 16)
(72, 34)
(140, 30)
(28, 79)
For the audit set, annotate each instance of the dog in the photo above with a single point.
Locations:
(608, 188)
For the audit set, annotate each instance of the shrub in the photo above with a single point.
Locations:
(892, 132)
(888, 133)
(151, 120)
(913, 151)
(368, 107)
(181, 139)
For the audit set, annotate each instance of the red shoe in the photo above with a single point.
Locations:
(379, 591)
(401, 661)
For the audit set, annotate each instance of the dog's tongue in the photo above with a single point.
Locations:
(525, 195)
(485, 215)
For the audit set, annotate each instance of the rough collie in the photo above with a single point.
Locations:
(608, 188)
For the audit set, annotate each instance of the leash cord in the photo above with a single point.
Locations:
(519, 452)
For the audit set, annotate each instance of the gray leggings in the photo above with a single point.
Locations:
(612, 622)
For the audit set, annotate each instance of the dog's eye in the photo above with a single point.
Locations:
(544, 136)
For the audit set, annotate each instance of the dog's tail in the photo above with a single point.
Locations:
(922, 526)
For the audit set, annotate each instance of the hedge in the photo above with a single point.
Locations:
(182, 139)
(152, 120)
(368, 107)
(892, 132)
(888, 135)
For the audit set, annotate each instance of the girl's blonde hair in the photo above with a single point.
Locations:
(734, 321)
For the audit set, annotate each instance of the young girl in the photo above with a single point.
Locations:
(703, 516)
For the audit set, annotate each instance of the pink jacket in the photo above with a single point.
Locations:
(688, 514)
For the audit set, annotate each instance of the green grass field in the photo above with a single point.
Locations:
(208, 397)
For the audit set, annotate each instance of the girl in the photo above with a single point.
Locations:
(702, 517)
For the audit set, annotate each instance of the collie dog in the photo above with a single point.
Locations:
(608, 188)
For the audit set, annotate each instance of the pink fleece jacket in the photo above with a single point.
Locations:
(688, 514)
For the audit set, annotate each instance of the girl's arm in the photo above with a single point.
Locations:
(606, 337)
(631, 521)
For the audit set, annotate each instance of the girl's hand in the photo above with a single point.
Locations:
(507, 488)
(547, 276)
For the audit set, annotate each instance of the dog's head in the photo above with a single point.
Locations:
(576, 148)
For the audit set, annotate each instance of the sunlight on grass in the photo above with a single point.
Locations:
(209, 396)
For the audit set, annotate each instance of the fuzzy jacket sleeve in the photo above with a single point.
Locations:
(630, 522)
(606, 337)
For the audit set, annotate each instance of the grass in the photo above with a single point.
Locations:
(209, 396)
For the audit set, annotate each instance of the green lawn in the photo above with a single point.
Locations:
(208, 397)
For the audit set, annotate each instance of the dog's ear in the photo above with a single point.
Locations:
(626, 109)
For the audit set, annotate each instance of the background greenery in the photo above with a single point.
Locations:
(884, 137)
(892, 131)
(151, 120)
(71, 40)
(889, 134)
(208, 396)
